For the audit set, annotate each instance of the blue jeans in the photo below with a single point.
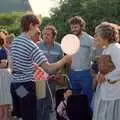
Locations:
(43, 109)
(44, 106)
(81, 82)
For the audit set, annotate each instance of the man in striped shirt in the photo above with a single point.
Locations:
(24, 52)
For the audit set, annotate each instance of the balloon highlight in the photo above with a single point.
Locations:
(70, 44)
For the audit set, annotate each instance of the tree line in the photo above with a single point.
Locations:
(92, 11)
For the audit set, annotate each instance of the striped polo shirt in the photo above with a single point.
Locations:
(23, 53)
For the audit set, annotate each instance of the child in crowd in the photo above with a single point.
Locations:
(61, 109)
(102, 65)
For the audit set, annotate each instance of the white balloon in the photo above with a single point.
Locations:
(70, 44)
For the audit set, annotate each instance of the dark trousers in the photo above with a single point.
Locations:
(24, 100)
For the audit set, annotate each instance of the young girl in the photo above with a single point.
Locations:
(61, 109)
(5, 97)
(107, 96)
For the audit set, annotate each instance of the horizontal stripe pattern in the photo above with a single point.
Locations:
(24, 52)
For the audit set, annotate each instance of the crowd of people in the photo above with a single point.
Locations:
(94, 70)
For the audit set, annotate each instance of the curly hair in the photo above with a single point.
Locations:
(108, 31)
(77, 20)
(2, 38)
(52, 28)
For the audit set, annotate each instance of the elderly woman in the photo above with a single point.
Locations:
(107, 96)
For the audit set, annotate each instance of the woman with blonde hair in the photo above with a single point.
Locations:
(107, 96)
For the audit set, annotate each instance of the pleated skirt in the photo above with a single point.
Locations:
(5, 95)
(104, 109)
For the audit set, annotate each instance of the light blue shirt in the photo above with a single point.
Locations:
(82, 59)
(54, 53)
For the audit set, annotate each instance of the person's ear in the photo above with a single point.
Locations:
(30, 26)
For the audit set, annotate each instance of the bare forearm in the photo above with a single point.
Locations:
(54, 66)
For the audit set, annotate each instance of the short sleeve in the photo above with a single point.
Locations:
(61, 54)
(38, 56)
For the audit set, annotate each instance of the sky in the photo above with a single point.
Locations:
(43, 7)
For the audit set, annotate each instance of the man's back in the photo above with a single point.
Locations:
(23, 53)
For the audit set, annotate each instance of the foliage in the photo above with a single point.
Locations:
(93, 11)
(10, 21)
